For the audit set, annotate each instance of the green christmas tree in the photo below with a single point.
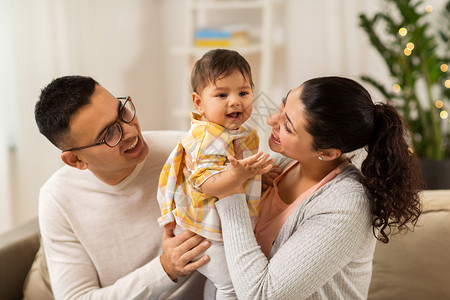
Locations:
(417, 58)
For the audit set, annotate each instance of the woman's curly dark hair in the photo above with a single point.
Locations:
(395, 197)
(341, 115)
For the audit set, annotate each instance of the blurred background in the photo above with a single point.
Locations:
(145, 48)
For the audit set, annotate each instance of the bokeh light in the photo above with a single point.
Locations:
(402, 31)
(396, 87)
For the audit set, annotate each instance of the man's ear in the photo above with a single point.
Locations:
(197, 101)
(73, 160)
(330, 154)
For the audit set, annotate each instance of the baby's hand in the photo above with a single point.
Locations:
(268, 178)
(244, 169)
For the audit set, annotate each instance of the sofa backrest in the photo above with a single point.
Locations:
(17, 250)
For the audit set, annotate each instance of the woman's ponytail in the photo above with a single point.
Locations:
(391, 173)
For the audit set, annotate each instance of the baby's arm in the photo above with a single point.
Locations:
(240, 171)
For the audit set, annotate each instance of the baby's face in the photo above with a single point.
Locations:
(228, 102)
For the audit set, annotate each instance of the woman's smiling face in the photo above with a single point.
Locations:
(289, 136)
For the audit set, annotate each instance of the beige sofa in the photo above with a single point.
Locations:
(412, 266)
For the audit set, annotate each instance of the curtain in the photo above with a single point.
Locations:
(33, 52)
(6, 117)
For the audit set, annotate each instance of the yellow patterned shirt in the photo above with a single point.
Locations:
(179, 195)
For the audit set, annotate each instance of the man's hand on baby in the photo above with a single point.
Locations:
(180, 250)
(244, 169)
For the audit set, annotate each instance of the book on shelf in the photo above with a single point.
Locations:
(221, 37)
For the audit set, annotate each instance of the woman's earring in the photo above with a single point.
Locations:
(320, 157)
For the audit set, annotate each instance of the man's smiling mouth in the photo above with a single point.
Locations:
(132, 146)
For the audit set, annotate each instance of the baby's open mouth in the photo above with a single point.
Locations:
(234, 115)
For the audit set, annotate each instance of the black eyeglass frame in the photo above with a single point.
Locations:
(119, 118)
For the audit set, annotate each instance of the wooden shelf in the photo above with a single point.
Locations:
(254, 48)
(227, 4)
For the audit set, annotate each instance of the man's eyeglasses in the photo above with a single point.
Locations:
(113, 134)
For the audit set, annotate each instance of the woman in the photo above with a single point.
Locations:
(319, 221)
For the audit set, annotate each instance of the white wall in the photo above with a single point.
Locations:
(125, 45)
(119, 43)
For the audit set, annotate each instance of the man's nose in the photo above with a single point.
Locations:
(128, 130)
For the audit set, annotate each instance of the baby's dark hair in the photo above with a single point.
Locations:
(216, 64)
(340, 114)
(58, 101)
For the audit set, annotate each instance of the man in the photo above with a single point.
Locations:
(98, 214)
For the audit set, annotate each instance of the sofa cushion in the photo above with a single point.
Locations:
(416, 265)
(37, 285)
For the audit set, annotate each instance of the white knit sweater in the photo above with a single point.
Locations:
(102, 241)
(323, 251)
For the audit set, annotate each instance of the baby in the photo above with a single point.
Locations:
(199, 168)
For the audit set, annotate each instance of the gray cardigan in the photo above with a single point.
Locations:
(323, 251)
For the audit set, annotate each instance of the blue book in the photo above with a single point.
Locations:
(208, 33)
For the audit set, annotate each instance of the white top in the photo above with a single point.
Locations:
(102, 241)
(323, 251)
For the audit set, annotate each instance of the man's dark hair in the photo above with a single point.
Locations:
(57, 103)
(215, 65)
